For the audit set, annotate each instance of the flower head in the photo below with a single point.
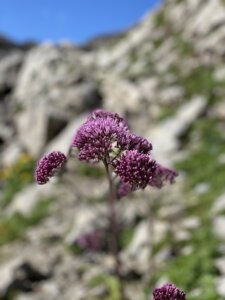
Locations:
(139, 143)
(96, 138)
(48, 165)
(168, 292)
(162, 175)
(135, 168)
(93, 241)
(101, 113)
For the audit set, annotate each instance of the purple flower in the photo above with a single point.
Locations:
(48, 165)
(92, 241)
(96, 138)
(124, 189)
(135, 168)
(162, 175)
(101, 113)
(168, 292)
(139, 143)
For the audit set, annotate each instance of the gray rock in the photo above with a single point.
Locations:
(25, 201)
(137, 255)
(190, 223)
(7, 271)
(219, 204)
(220, 286)
(121, 95)
(218, 227)
(54, 81)
(62, 142)
(87, 220)
(9, 68)
(220, 265)
(202, 188)
(11, 154)
(165, 137)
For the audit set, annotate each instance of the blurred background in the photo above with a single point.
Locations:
(160, 64)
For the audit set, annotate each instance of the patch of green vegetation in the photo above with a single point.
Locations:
(195, 270)
(99, 199)
(126, 237)
(166, 112)
(16, 177)
(75, 249)
(203, 165)
(111, 284)
(160, 18)
(199, 81)
(133, 56)
(14, 227)
(157, 43)
(188, 271)
(18, 107)
(185, 48)
(11, 295)
(94, 171)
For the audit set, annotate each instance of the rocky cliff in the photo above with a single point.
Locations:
(166, 75)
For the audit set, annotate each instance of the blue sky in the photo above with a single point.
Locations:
(76, 20)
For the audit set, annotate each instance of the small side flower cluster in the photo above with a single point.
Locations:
(168, 292)
(106, 137)
(49, 165)
(124, 188)
(93, 241)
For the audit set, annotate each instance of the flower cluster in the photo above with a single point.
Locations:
(97, 137)
(124, 189)
(93, 241)
(139, 143)
(101, 113)
(135, 168)
(105, 136)
(48, 165)
(162, 175)
(168, 292)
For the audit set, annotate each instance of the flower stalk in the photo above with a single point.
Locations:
(105, 137)
(114, 233)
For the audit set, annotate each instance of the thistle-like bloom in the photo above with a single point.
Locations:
(135, 168)
(139, 143)
(96, 138)
(162, 175)
(168, 292)
(48, 165)
(124, 189)
(101, 113)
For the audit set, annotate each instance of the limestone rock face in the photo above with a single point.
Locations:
(53, 87)
(9, 67)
